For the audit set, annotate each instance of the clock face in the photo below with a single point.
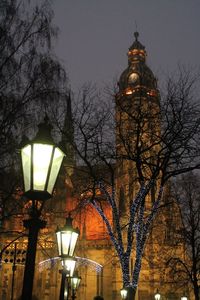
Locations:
(133, 78)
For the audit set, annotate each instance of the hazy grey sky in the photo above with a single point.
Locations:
(96, 34)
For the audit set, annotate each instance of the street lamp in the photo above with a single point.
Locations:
(124, 293)
(184, 298)
(75, 281)
(157, 295)
(41, 162)
(66, 240)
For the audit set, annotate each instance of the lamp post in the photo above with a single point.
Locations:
(124, 293)
(41, 162)
(157, 295)
(66, 240)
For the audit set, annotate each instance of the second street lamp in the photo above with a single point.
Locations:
(68, 264)
(66, 239)
(157, 295)
(41, 162)
(75, 281)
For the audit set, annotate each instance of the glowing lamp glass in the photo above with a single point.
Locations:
(123, 293)
(157, 296)
(67, 238)
(66, 241)
(184, 298)
(65, 293)
(41, 164)
(69, 264)
(75, 281)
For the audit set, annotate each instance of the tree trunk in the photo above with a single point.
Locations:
(196, 292)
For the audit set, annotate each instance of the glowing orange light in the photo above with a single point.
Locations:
(152, 93)
(136, 52)
(129, 92)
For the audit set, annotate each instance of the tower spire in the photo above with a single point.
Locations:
(136, 44)
(136, 34)
(68, 137)
(68, 131)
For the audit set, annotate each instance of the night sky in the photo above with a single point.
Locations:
(95, 36)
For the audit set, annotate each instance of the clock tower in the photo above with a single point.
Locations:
(137, 77)
(137, 120)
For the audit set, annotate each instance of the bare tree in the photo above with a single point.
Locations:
(153, 141)
(31, 79)
(187, 268)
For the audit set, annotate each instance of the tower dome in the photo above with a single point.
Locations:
(137, 76)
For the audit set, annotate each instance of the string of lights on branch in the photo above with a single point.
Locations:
(81, 261)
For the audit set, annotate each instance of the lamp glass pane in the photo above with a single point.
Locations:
(57, 161)
(41, 160)
(69, 265)
(74, 238)
(26, 165)
(184, 298)
(69, 240)
(66, 238)
(124, 293)
(75, 282)
(65, 292)
(157, 296)
(58, 235)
